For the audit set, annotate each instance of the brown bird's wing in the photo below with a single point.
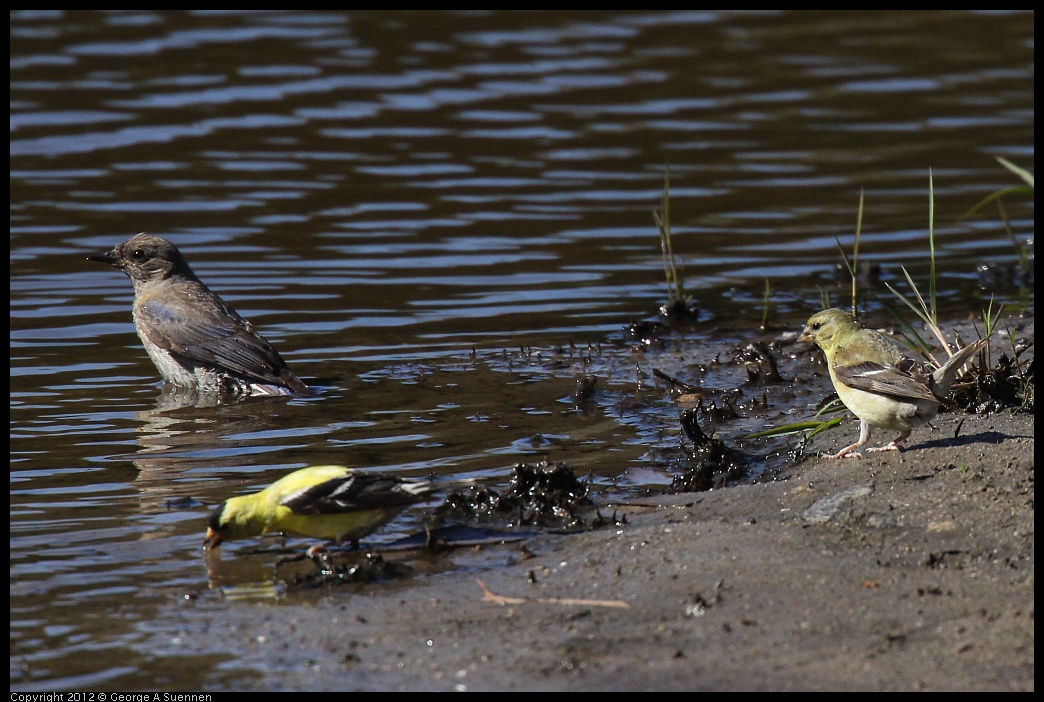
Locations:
(226, 342)
(907, 379)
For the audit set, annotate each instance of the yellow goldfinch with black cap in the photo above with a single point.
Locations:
(332, 503)
(877, 381)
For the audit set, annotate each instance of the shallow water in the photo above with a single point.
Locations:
(444, 221)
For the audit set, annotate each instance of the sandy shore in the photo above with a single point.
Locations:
(898, 571)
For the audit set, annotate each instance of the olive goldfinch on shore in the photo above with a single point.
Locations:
(877, 381)
(331, 503)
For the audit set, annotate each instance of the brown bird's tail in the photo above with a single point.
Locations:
(946, 374)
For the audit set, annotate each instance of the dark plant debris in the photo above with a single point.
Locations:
(719, 415)
(710, 462)
(1008, 385)
(360, 568)
(680, 311)
(542, 494)
(645, 334)
(675, 383)
(586, 389)
(760, 363)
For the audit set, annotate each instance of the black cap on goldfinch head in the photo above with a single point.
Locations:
(214, 529)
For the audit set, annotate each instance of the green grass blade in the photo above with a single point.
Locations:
(1020, 172)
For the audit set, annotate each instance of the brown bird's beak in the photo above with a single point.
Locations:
(109, 258)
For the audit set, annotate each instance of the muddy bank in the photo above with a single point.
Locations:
(909, 571)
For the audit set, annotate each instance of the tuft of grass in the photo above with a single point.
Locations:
(824, 299)
(854, 265)
(675, 292)
(766, 297)
(679, 306)
(1022, 173)
(926, 310)
(810, 428)
(1027, 189)
(989, 321)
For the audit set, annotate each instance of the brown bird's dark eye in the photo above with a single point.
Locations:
(138, 254)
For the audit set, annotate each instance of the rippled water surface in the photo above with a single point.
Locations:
(444, 221)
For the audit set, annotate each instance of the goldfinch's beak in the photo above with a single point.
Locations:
(212, 539)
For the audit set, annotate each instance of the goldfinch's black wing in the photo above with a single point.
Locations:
(908, 379)
(355, 492)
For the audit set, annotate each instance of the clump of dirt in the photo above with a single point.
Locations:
(1008, 385)
(760, 364)
(366, 568)
(542, 494)
(709, 463)
(680, 310)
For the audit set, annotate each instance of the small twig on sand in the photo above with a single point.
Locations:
(488, 596)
